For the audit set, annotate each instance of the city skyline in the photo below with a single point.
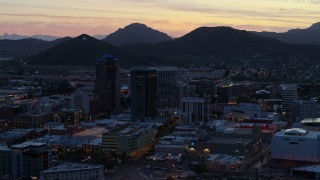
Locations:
(176, 17)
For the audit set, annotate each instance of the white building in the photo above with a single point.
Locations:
(81, 99)
(72, 171)
(193, 109)
(296, 144)
(248, 111)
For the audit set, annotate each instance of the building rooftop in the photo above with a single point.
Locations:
(93, 132)
(298, 132)
(72, 167)
(311, 121)
(192, 99)
(170, 146)
(229, 140)
(313, 168)
(226, 159)
(163, 68)
(226, 84)
(15, 133)
(131, 129)
(4, 147)
(28, 144)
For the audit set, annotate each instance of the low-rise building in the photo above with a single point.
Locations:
(131, 139)
(32, 119)
(24, 160)
(194, 109)
(16, 135)
(247, 111)
(69, 116)
(71, 171)
(296, 144)
(305, 109)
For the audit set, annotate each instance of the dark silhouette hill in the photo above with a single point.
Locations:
(82, 50)
(221, 41)
(310, 35)
(136, 33)
(30, 44)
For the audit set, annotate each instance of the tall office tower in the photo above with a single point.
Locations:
(143, 94)
(289, 95)
(167, 95)
(107, 85)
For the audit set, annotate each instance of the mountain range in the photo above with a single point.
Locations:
(133, 33)
(220, 41)
(309, 35)
(30, 44)
(7, 36)
(140, 33)
(202, 43)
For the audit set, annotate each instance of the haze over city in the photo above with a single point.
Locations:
(174, 17)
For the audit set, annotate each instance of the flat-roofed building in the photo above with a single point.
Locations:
(32, 119)
(15, 135)
(71, 171)
(24, 160)
(194, 109)
(34, 158)
(311, 123)
(131, 139)
(305, 109)
(69, 116)
(307, 172)
(81, 99)
(296, 144)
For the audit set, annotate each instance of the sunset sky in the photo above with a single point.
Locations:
(174, 17)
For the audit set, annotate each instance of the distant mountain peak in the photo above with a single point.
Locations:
(220, 28)
(315, 26)
(136, 33)
(81, 50)
(84, 37)
(136, 25)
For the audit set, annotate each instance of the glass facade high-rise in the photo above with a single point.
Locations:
(167, 94)
(143, 94)
(107, 85)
